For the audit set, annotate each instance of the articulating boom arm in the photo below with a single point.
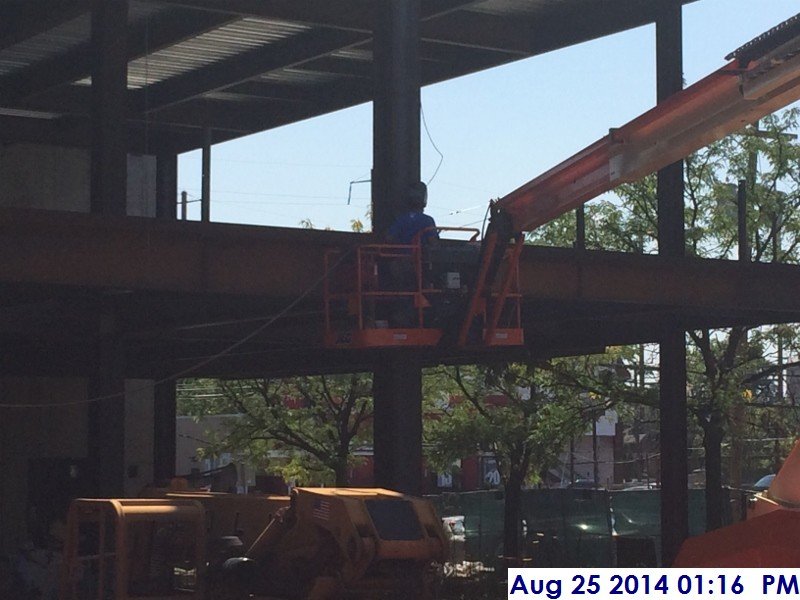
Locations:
(763, 77)
(743, 91)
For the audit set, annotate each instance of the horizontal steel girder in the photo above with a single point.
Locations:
(139, 254)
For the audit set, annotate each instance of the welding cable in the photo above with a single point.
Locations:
(441, 156)
(199, 365)
(485, 217)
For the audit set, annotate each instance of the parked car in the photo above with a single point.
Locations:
(763, 483)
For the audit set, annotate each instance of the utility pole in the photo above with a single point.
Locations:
(205, 201)
(184, 205)
(572, 461)
(596, 466)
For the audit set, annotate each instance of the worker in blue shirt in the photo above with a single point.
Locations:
(406, 227)
(399, 273)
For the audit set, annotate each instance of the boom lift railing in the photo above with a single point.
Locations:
(364, 294)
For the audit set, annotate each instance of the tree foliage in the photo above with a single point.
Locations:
(766, 159)
(523, 414)
(305, 427)
(726, 367)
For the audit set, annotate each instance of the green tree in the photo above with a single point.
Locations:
(524, 414)
(722, 364)
(312, 423)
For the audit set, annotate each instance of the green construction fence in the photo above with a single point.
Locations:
(569, 527)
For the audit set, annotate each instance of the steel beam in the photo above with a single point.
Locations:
(137, 253)
(76, 132)
(524, 36)
(256, 106)
(347, 15)
(134, 253)
(445, 21)
(151, 35)
(109, 155)
(24, 19)
(290, 52)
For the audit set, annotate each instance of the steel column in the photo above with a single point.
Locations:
(673, 436)
(397, 385)
(580, 228)
(396, 109)
(109, 162)
(164, 432)
(669, 67)
(671, 243)
(166, 185)
(741, 212)
(397, 445)
(106, 427)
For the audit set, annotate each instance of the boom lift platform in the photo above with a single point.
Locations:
(761, 77)
(393, 295)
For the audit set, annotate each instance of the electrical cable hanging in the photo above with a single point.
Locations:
(435, 147)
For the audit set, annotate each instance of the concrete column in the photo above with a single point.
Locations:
(108, 107)
(397, 445)
(671, 243)
(396, 109)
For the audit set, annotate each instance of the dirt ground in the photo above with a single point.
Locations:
(484, 586)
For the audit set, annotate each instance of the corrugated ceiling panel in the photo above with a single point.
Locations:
(507, 8)
(45, 45)
(354, 54)
(213, 46)
(299, 77)
(62, 39)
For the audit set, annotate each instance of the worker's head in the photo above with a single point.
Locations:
(417, 196)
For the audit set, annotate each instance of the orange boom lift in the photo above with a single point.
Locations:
(761, 77)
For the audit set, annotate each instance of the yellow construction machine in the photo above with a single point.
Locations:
(316, 543)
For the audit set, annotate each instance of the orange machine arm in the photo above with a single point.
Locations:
(739, 93)
(764, 77)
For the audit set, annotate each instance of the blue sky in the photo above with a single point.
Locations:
(496, 129)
